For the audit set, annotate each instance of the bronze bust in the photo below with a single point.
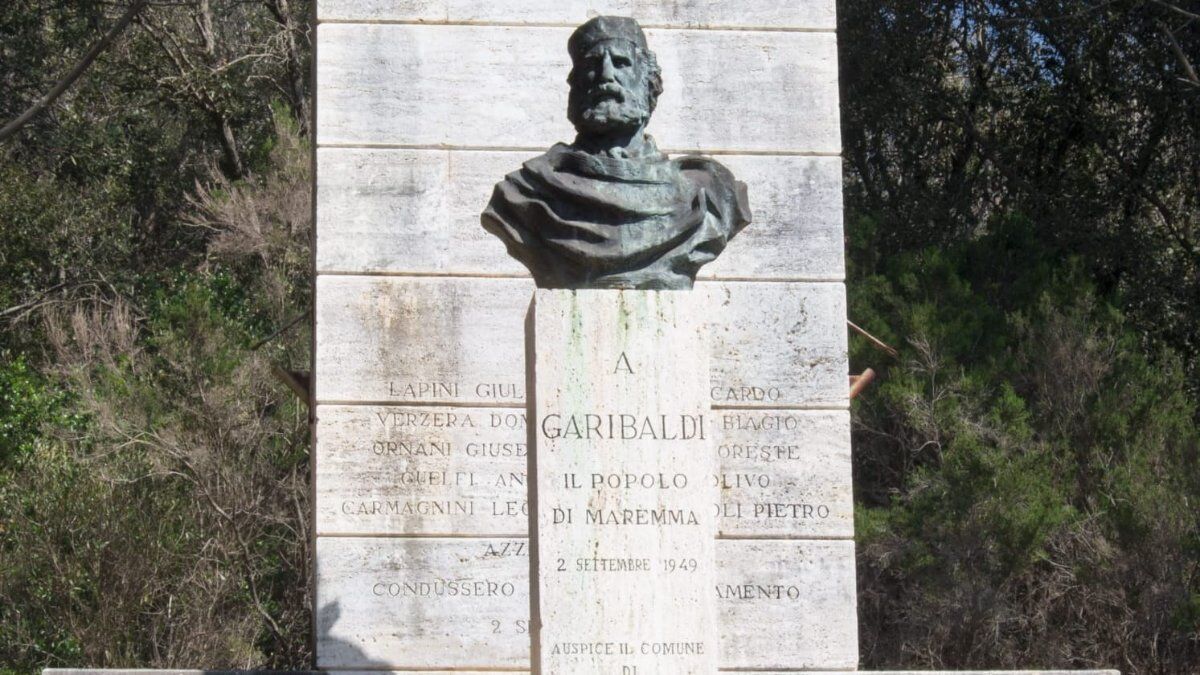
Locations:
(610, 210)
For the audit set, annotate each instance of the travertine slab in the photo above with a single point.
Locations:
(796, 233)
(430, 340)
(765, 587)
(429, 470)
(459, 340)
(778, 345)
(801, 14)
(416, 85)
(357, 629)
(784, 473)
(417, 212)
(422, 603)
(396, 470)
(410, 211)
(624, 496)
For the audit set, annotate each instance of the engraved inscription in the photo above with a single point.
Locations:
(422, 603)
(427, 470)
(626, 484)
(746, 394)
(442, 391)
(431, 470)
(779, 602)
(784, 472)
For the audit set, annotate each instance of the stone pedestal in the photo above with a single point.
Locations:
(625, 499)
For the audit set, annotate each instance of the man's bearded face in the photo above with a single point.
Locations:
(610, 90)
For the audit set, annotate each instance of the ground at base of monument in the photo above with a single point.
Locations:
(151, 671)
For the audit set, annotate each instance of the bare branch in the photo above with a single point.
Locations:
(1184, 63)
(878, 344)
(1178, 10)
(80, 68)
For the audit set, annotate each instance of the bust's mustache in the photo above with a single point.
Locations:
(607, 91)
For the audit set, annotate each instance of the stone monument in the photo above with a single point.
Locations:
(428, 393)
(536, 449)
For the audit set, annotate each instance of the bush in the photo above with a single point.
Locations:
(1025, 475)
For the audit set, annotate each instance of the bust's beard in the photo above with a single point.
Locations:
(608, 116)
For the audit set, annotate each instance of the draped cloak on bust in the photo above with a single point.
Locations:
(582, 220)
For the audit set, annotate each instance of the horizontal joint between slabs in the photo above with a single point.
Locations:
(570, 24)
(817, 407)
(393, 535)
(525, 535)
(775, 280)
(506, 277)
(423, 669)
(788, 538)
(783, 152)
(421, 275)
(480, 275)
(504, 405)
(519, 405)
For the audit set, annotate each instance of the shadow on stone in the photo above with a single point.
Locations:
(335, 652)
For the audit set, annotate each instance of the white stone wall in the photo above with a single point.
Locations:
(422, 105)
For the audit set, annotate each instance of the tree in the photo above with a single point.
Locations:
(1022, 217)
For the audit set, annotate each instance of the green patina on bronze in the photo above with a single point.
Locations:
(610, 210)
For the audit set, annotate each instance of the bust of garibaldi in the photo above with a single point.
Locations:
(610, 210)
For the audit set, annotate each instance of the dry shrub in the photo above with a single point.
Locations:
(1046, 523)
(263, 222)
(168, 526)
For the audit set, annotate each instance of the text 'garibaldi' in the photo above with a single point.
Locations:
(610, 210)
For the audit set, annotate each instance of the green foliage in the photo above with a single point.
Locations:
(1021, 462)
(170, 513)
(28, 404)
(1023, 223)
(1080, 116)
(153, 228)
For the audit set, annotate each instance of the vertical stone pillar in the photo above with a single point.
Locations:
(625, 501)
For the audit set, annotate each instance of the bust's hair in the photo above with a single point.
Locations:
(653, 75)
